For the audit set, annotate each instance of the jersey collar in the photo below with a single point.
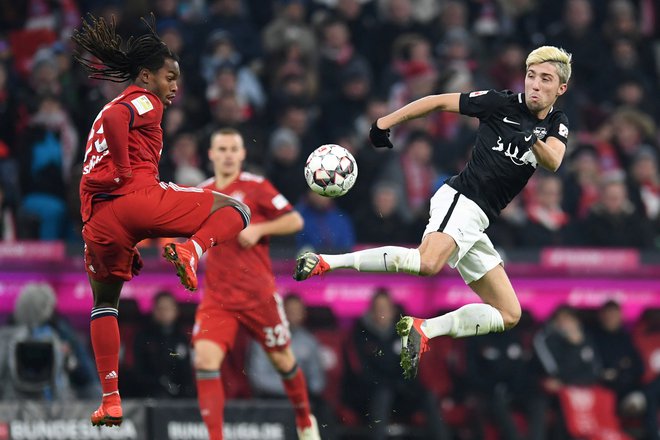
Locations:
(521, 102)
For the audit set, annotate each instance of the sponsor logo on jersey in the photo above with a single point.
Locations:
(510, 121)
(563, 130)
(540, 132)
(94, 161)
(478, 93)
(518, 157)
(142, 104)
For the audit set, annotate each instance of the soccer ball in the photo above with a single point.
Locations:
(331, 170)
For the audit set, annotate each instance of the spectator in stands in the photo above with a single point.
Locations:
(184, 155)
(285, 164)
(222, 54)
(632, 131)
(507, 230)
(326, 226)
(47, 154)
(162, 353)
(581, 182)
(266, 382)
(414, 174)
(644, 186)
(566, 356)
(7, 220)
(41, 357)
(547, 222)
(289, 27)
(613, 221)
(499, 372)
(379, 221)
(622, 363)
(232, 17)
(373, 385)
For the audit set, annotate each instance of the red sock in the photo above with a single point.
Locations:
(295, 387)
(104, 332)
(223, 224)
(211, 398)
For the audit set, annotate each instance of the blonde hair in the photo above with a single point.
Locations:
(555, 55)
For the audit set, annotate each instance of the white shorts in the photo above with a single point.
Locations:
(463, 220)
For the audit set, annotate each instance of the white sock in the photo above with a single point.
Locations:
(382, 259)
(469, 320)
(198, 248)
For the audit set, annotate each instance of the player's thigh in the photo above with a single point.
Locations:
(164, 210)
(213, 336)
(435, 251)
(109, 247)
(455, 224)
(482, 270)
(267, 324)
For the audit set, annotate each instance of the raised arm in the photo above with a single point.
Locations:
(550, 153)
(446, 102)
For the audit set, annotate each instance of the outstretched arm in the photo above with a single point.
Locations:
(446, 102)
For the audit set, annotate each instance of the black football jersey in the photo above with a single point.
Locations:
(498, 170)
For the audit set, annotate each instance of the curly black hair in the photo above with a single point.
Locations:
(116, 63)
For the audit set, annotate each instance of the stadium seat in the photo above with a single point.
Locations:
(646, 336)
(130, 320)
(590, 413)
(331, 342)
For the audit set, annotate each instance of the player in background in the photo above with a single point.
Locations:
(517, 132)
(122, 199)
(240, 289)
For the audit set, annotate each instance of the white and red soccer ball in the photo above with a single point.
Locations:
(331, 170)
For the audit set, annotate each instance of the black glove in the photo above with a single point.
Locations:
(523, 140)
(380, 138)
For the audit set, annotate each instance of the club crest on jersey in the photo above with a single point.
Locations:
(513, 152)
(540, 132)
(238, 195)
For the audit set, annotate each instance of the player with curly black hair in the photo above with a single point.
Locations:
(122, 199)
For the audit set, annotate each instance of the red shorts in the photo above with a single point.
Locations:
(118, 224)
(267, 323)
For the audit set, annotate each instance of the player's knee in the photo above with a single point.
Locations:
(511, 316)
(282, 360)
(205, 360)
(429, 267)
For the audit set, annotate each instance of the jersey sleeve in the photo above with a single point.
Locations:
(116, 121)
(145, 108)
(481, 104)
(559, 126)
(271, 202)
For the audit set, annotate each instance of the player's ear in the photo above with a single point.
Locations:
(144, 75)
(562, 89)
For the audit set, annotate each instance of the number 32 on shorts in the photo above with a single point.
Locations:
(276, 336)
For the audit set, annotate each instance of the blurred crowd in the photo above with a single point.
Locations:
(556, 379)
(294, 74)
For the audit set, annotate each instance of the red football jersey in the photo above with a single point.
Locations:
(143, 137)
(236, 277)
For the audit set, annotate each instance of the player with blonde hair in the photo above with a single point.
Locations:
(517, 133)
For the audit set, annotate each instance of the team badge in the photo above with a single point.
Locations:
(540, 132)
